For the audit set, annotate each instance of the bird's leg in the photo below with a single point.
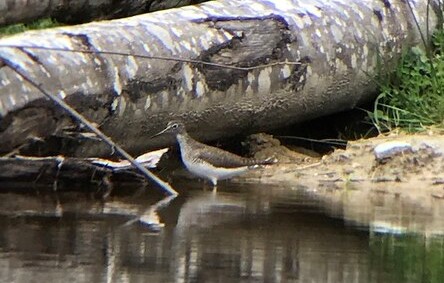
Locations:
(214, 182)
(204, 185)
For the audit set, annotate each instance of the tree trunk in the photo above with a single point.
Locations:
(332, 50)
(81, 11)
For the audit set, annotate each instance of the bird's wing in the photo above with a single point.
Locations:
(222, 158)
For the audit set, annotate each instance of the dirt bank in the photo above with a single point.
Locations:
(392, 183)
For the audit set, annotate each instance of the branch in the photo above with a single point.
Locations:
(78, 117)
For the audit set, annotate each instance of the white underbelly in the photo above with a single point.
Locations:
(204, 170)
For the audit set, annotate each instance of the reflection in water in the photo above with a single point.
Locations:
(242, 234)
(408, 258)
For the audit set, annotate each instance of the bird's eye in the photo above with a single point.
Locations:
(174, 126)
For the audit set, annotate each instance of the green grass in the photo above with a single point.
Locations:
(38, 24)
(406, 258)
(412, 96)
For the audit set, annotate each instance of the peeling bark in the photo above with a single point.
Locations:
(46, 171)
(57, 170)
(81, 11)
(333, 46)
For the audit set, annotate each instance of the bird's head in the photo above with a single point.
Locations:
(173, 127)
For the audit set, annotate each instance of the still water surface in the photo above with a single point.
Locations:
(242, 233)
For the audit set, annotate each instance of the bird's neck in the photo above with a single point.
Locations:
(183, 139)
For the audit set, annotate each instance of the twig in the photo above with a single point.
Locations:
(337, 142)
(77, 116)
(165, 58)
(152, 210)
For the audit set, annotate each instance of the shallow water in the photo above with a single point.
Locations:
(242, 233)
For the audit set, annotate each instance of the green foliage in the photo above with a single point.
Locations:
(407, 258)
(17, 28)
(412, 96)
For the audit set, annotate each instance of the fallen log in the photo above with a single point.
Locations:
(224, 67)
(48, 171)
(58, 170)
(81, 11)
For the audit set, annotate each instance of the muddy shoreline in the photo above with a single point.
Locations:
(403, 192)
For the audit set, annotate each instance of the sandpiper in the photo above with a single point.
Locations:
(209, 162)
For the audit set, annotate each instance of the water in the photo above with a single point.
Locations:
(243, 233)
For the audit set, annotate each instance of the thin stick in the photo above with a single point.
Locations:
(77, 116)
(338, 142)
(165, 58)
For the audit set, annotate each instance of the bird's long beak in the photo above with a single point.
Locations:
(159, 133)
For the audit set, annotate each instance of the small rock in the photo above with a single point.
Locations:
(342, 157)
(388, 149)
(438, 181)
(356, 165)
(438, 195)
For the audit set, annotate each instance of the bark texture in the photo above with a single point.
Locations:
(335, 44)
(64, 173)
(48, 171)
(80, 11)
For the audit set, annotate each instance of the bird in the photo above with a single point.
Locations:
(206, 161)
